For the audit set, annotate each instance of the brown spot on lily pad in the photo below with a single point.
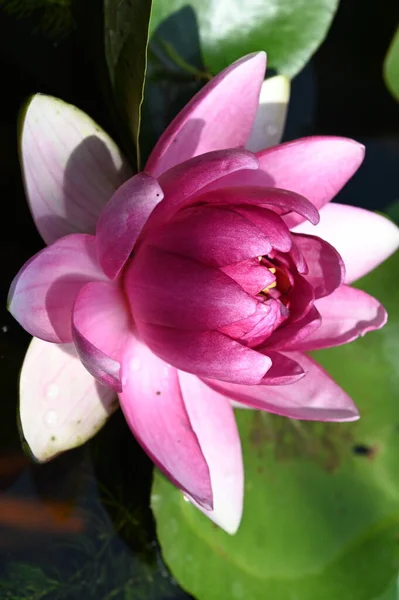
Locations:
(326, 444)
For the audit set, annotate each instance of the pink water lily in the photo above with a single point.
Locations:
(201, 281)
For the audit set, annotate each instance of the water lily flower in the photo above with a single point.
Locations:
(201, 281)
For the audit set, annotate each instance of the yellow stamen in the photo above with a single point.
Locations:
(272, 285)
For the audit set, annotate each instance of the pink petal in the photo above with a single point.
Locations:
(187, 179)
(287, 337)
(253, 330)
(167, 289)
(220, 116)
(61, 405)
(101, 324)
(270, 223)
(315, 167)
(250, 275)
(156, 413)
(42, 294)
(284, 370)
(315, 397)
(301, 299)
(122, 220)
(212, 419)
(206, 354)
(282, 201)
(71, 167)
(213, 236)
(364, 239)
(326, 268)
(346, 314)
(270, 117)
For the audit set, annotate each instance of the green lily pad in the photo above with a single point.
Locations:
(289, 30)
(391, 593)
(321, 515)
(391, 66)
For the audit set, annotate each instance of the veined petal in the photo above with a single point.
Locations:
(187, 179)
(287, 337)
(279, 200)
(42, 294)
(71, 167)
(364, 239)
(314, 397)
(206, 354)
(216, 237)
(122, 220)
(285, 370)
(219, 116)
(326, 267)
(345, 315)
(212, 418)
(61, 404)
(270, 223)
(270, 117)
(156, 413)
(250, 275)
(314, 167)
(170, 290)
(101, 326)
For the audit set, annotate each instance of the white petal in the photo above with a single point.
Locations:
(61, 404)
(271, 115)
(71, 167)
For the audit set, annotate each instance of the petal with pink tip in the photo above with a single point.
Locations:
(61, 404)
(364, 239)
(221, 115)
(270, 117)
(213, 236)
(316, 397)
(212, 418)
(122, 220)
(174, 291)
(42, 294)
(345, 315)
(206, 354)
(156, 413)
(326, 268)
(71, 167)
(279, 200)
(101, 325)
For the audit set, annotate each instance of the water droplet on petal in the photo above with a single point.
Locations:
(52, 391)
(135, 364)
(51, 418)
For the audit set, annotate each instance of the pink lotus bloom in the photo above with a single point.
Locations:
(201, 281)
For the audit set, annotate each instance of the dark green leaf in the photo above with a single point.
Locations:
(126, 24)
(289, 30)
(321, 517)
(175, 73)
(391, 67)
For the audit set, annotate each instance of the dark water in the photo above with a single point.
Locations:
(80, 527)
